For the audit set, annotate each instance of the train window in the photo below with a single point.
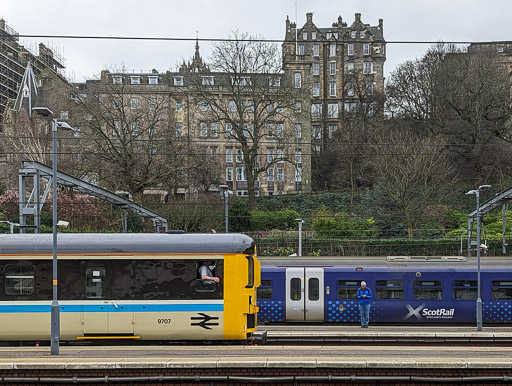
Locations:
(502, 290)
(19, 279)
(347, 289)
(250, 283)
(465, 289)
(95, 282)
(295, 289)
(205, 268)
(428, 289)
(313, 289)
(265, 291)
(389, 289)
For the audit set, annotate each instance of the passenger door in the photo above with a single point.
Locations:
(304, 294)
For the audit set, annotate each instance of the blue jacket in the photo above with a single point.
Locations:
(361, 292)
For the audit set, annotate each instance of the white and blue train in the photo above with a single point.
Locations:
(406, 289)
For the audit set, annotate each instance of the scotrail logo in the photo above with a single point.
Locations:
(423, 312)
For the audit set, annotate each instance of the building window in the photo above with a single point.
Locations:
(316, 110)
(298, 107)
(298, 175)
(369, 88)
(317, 132)
(316, 68)
(64, 115)
(298, 156)
(501, 50)
(332, 88)
(270, 174)
(280, 174)
(368, 109)
(353, 34)
(178, 81)
(229, 155)
(153, 79)
(298, 80)
(367, 67)
(270, 129)
(361, 34)
(134, 79)
(229, 129)
(117, 128)
(117, 79)
(152, 103)
(316, 49)
(298, 130)
(213, 128)
(316, 89)
(179, 129)
(301, 49)
(331, 130)
(304, 36)
(350, 49)
(350, 67)
(241, 175)
(203, 106)
(134, 103)
(279, 132)
(332, 110)
(203, 132)
(232, 106)
(229, 173)
(246, 130)
(179, 105)
(239, 156)
(332, 68)
(313, 35)
(350, 106)
(270, 155)
(332, 49)
(366, 49)
(208, 80)
(350, 89)
(279, 154)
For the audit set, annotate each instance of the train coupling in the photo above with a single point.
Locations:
(257, 338)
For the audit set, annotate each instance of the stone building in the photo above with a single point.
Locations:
(342, 65)
(192, 124)
(13, 63)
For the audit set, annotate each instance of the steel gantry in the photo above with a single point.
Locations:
(502, 199)
(41, 176)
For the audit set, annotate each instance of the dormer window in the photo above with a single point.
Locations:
(178, 81)
(304, 36)
(134, 79)
(353, 34)
(313, 35)
(117, 79)
(361, 34)
(153, 79)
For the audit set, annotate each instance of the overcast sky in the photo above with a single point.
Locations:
(410, 20)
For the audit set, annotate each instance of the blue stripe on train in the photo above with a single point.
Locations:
(111, 308)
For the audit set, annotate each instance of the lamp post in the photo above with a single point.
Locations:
(45, 112)
(226, 192)
(476, 192)
(300, 221)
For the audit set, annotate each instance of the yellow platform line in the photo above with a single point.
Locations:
(107, 337)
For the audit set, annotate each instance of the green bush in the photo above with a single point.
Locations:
(282, 219)
(341, 225)
(239, 215)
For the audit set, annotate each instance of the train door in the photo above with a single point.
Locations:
(304, 294)
(101, 314)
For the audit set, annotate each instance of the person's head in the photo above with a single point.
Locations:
(363, 284)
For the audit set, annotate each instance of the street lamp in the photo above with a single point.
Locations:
(45, 112)
(226, 192)
(300, 221)
(476, 192)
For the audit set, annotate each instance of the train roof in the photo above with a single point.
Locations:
(94, 243)
(386, 262)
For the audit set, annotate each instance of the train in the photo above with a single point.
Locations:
(129, 286)
(406, 289)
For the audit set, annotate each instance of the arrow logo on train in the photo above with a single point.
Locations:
(204, 321)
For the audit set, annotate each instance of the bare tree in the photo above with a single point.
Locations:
(129, 131)
(252, 102)
(412, 172)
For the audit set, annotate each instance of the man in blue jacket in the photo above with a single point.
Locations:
(364, 295)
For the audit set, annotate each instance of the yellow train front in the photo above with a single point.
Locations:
(129, 286)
